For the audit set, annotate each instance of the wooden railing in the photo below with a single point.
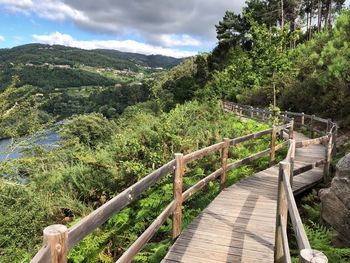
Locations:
(58, 239)
(286, 203)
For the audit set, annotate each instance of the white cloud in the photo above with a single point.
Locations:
(166, 23)
(2, 38)
(179, 41)
(122, 45)
(50, 9)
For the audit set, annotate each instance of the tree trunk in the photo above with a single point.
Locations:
(307, 24)
(330, 13)
(282, 15)
(319, 22)
(311, 16)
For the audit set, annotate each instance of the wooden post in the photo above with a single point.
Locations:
(329, 121)
(281, 134)
(312, 127)
(334, 140)
(177, 192)
(272, 145)
(224, 158)
(311, 256)
(302, 118)
(328, 159)
(263, 115)
(57, 237)
(282, 210)
(291, 129)
(292, 157)
(240, 111)
(251, 112)
(285, 116)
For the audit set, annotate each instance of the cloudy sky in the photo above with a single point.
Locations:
(169, 27)
(175, 28)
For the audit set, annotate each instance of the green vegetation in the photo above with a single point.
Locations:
(319, 234)
(100, 158)
(39, 54)
(20, 112)
(124, 119)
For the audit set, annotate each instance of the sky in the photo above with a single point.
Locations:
(177, 28)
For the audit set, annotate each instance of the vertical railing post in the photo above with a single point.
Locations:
(263, 115)
(177, 192)
(281, 134)
(224, 158)
(292, 158)
(272, 145)
(57, 237)
(251, 112)
(329, 122)
(328, 159)
(285, 116)
(312, 126)
(302, 118)
(282, 209)
(291, 129)
(311, 256)
(334, 140)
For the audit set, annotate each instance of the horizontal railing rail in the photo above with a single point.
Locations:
(286, 203)
(58, 239)
(95, 219)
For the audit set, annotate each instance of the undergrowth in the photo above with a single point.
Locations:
(319, 234)
(92, 166)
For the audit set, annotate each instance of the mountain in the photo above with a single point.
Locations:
(152, 61)
(38, 54)
(59, 66)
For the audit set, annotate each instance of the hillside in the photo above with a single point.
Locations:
(39, 54)
(74, 81)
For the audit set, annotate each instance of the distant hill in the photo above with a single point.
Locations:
(39, 54)
(59, 66)
(152, 61)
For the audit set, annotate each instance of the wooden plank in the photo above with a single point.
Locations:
(307, 143)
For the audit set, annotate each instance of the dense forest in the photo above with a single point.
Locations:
(119, 126)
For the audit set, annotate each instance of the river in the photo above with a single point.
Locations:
(12, 149)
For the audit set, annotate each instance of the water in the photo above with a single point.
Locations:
(12, 149)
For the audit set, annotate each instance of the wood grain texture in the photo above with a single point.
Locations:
(239, 224)
(56, 236)
(177, 192)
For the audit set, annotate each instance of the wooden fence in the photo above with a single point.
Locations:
(58, 239)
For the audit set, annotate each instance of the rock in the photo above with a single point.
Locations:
(335, 203)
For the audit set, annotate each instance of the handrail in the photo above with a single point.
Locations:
(286, 202)
(52, 248)
(95, 219)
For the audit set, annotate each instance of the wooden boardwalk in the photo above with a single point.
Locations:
(239, 225)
